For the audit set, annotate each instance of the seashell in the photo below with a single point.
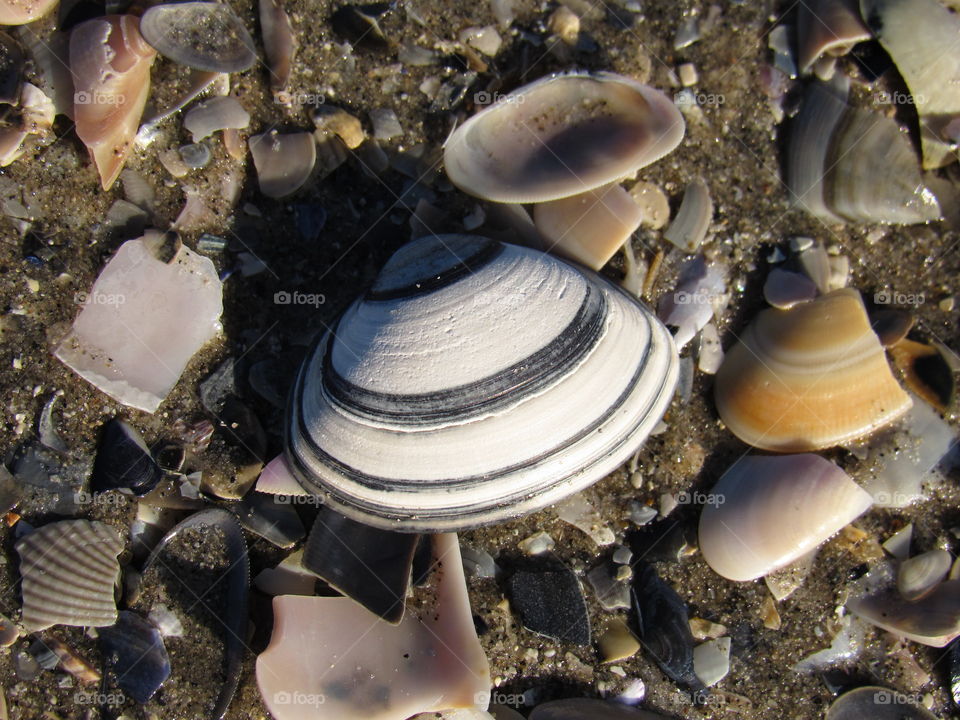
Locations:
(123, 461)
(550, 602)
(21, 12)
(367, 564)
(561, 135)
(711, 660)
(110, 63)
(876, 703)
(699, 295)
(432, 660)
(133, 649)
(589, 227)
(69, 570)
(275, 522)
(279, 42)
(283, 161)
(664, 624)
(932, 620)
(690, 226)
(920, 37)
(851, 165)
(391, 406)
(589, 709)
(918, 575)
(772, 510)
(12, 60)
(891, 325)
(201, 35)
(784, 289)
(827, 26)
(217, 113)
(789, 385)
(925, 371)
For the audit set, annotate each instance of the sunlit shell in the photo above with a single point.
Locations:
(110, 63)
(201, 35)
(932, 620)
(476, 381)
(589, 227)
(827, 27)
(69, 569)
(920, 574)
(808, 378)
(767, 511)
(20, 12)
(560, 136)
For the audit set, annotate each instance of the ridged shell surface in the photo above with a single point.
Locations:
(561, 136)
(476, 381)
(69, 569)
(808, 378)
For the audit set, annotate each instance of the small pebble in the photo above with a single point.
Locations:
(653, 203)
(688, 74)
(702, 629)
(770, 614)
(947, 304)
(386, 125)
(195, 155)
(565, 24)
(536, 544)
(617, 642)
(622, 555)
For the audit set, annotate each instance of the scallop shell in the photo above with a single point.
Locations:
(561, 136)
(69, 569)
(110, 63)
(476, 381)
(808, 378)
(772, 510)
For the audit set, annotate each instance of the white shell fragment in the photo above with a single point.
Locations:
(433, 403)
(690, 226)
(329, 658)
(560, 136)
(201, 35)
(784, 289)
(711, 660)
(589, 227)
(932, 620)
(142, 322)
(217, 113)
(69, 569)
(283, 161)
(918, 575)
(773, 511)
(699, 295)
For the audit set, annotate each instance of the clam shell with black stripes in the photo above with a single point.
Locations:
(476, 381)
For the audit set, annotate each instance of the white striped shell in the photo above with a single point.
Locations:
(560, 136)
(771, 510)
(69, 569)
(476, 381)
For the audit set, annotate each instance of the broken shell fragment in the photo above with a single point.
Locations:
(201, 35)
(918, 575)
(431, 661)
(217, 113)
(69, 569)
(133, 649)
(589, 227)
(689, 227)
(560, 136)
(412, 414)
(123, 461)
(279, 42)
(829, 27)
(774, 510)
(110, 63)
(283, 161)
(21, 12)
(932, 620)
(808, 378)
(133, 344)
(876, 703)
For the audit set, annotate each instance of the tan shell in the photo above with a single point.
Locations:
(20, 12)
(808, 378)
(69, 569)
(110, 62)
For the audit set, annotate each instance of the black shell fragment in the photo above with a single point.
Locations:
(550, 602)
(12, 61)
(663, 627)
(124, 462)
(367, 564)
(134, 650)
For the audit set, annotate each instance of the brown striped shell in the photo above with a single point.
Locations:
(69, 569)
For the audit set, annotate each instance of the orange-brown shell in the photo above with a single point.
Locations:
(808, 378)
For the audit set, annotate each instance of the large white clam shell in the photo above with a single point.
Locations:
(560, 136)
(772, 510)
(476, 381)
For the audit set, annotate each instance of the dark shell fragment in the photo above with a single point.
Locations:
(134, 650)
(124, 462)
(367, 564)
(12, 61)
(663, 626)
(550, 602)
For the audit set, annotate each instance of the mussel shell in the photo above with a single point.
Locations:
(134, 650)
(560, 136)
(124, 461)
(476, 381)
